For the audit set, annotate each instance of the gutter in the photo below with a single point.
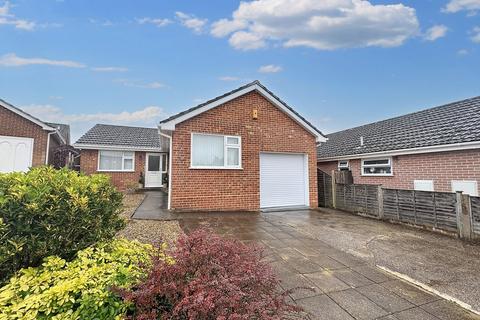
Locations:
(114, 147)
(169, 137)
(399, 152)
(47, 153)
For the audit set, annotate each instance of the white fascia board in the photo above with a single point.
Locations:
(27, 116)
(60, 136)
(400, 152)
(170, 125)
(118, 148)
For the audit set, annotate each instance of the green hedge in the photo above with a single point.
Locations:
(79, 289)
(48, 212)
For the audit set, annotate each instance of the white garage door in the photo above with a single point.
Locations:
(283, 180)
(15, 154)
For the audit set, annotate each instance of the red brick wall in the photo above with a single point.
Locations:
(121, 180)
(196, 189)
(441, 167)
(14, 125)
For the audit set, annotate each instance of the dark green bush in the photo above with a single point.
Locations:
(53, 212)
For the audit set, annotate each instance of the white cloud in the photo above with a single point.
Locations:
(224, 27)
(109, 69)
(228, 78)
(81, 122)
(270, 68)
(463, 52)
(323, 25)
(246, 41)
(12, 60)
(435, 32)
(191, 22)
(159, 22)
(139, 84)
(7, 18)
(472, 6)
(476, 35)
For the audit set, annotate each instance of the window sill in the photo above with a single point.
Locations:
(214, 168)
(115, 170)
(377, 175)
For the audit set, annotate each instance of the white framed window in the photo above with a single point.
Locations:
(116, 160)
(343, 165)
(467, 187)
(423, 185)
(377, 167)
(212, 151)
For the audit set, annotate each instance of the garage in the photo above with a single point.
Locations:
(283, 180)
(16, 153)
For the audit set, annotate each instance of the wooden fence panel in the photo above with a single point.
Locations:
(475, 207)
(324, 182)
(358, 198)
(438, 210)
(424, 208)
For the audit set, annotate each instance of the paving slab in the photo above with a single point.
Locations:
(410, 293)
(324, 308)
(301, 287)
(375, 274)
(352, 278)
(385, 298)
(412, 314)
(447, 264)
(327, 282)
(446, 310)
(344, 285)
(357, 304)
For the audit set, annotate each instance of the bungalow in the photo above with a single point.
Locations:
(26, 141)
(243, 150)
(437, 149)
(125, 154)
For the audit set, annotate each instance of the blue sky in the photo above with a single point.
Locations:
(340, 63)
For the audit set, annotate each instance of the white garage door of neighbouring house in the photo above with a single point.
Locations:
(15, 154)
(283, 180)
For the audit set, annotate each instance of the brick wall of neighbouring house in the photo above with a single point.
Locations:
(441, 167)
(121, 180)
(196, 189)
(11, 124)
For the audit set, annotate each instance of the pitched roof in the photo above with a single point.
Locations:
(138, 138)
(224, 97)
(63, 130)
(25, 115)
(453, 123)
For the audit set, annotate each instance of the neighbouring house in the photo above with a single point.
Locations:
(244, 150)
(125, 154)
(437, 149)
(26, 141)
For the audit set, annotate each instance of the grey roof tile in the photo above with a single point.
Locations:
(111, 135)
(455, 122)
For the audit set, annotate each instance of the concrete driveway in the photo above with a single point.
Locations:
(343, 285)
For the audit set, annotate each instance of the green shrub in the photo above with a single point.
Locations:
(78, 289)
(53, 212)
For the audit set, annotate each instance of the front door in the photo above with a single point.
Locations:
(153, 170)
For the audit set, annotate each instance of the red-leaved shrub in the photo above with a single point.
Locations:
(211, 278)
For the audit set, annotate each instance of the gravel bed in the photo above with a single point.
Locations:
(147, 231)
